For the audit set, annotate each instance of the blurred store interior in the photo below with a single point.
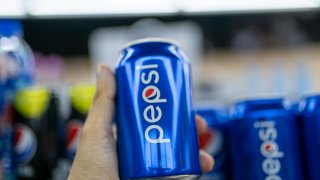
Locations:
(236, 48)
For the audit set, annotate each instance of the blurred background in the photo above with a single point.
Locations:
(236, 47)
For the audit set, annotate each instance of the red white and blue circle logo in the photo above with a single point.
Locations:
(25, 144)
(73, 136)
(269, 148)
(213, 142)
(150, 92)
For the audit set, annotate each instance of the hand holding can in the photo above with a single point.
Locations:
(96, 156)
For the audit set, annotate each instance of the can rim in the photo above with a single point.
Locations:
(313, 92)
(155, 39)
(143, 40)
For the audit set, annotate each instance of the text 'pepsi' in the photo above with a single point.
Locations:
(148, 93)
(269, 149)
(156, 128)
(264, 141)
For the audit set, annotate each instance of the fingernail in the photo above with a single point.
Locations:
(202, 122)
(207, 161)
(102, 70)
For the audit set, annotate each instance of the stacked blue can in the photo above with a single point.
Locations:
(17, 68)
(310, 135)
(265, 143)
(157, 135)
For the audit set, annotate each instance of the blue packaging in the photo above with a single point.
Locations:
(156, 128)
(310, 135)
(264, 141)
(216, 142)
(16, 67)
(17, 62)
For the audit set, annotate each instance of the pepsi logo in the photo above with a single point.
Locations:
(152, 112)
(269, 149)
(211, 141)
(73, 137)
(25, 144)
(150, 92)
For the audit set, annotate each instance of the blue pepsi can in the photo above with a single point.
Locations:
(215, 142)
(156, 127)
(310, 126)
(264, 141)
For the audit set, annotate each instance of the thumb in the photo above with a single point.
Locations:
(96, 156)
(105, 82)
(99, 119)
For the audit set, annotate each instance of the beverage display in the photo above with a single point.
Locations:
(16, 59)
(16, 72)
(156, 127)
(310, 126)
(264, 141)
(216, 142)
(7, 169)
(81, 97)
(30, 121)
(53, 134)
(1, 139)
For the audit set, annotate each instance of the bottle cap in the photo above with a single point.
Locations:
(11, 28)
(81, 96)
(32, 102)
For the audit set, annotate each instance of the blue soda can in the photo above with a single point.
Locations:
(215, 142)
(310, 126)
(156, 127)
(264, 141)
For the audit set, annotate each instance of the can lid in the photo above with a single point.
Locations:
(145, 40)
(81, 96)
(269, 99)
(149, 40)
(309, 103)
(32, 102)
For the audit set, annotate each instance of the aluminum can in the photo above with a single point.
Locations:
(156, 127)
(31, 108)
(310, 135)
(264, 141)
